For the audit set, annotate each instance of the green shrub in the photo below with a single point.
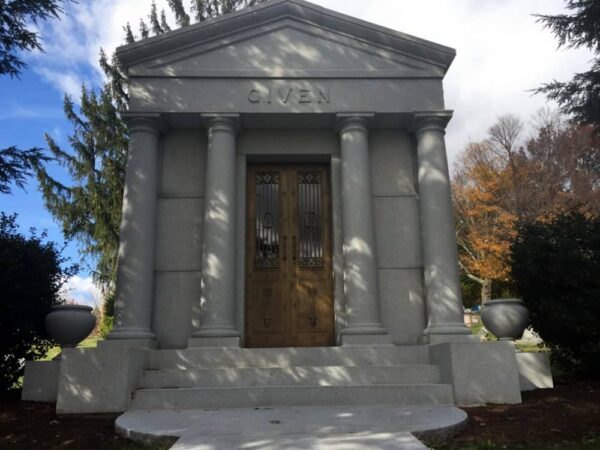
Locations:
(471, 291)
(556, 269)
(106, 326)
(30, 280)
(108, 313)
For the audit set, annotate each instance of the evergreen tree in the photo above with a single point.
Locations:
(144, 32)
(15, 37)
(16, 165)
(90, 209)
(154, 21)
(579, 97)
(209, 9)
(129, 37)
(181, 16)
(163, 21)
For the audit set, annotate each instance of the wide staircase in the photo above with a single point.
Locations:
(265, 377)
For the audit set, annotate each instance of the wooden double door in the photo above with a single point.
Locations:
(289, 285)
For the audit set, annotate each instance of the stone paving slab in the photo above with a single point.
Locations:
(310, 427)
(355, 441)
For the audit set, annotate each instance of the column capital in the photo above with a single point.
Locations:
(144, 122)
(430, 120)
(354, 121)
(222, 122)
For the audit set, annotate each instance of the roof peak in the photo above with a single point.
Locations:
(229, 24)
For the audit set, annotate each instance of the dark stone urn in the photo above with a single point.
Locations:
(505, 318)
(70, 324)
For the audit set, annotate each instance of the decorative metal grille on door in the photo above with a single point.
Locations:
(267, 220)
(310, 222)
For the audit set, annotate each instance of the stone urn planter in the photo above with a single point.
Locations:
(505, 318)
(70, 324)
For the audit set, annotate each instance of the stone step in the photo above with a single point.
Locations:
(289, 376)
(271, 396)
(214, 357)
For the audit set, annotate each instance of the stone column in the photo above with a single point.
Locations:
(438, 235)
(135, 270)
(360, 262)
(219, 238)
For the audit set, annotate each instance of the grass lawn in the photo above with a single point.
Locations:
(527, 347)
(92, 341)
(522, 346)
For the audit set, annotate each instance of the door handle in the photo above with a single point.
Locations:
(294, 248)
(285, 248)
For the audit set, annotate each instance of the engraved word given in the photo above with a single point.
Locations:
(289, 95)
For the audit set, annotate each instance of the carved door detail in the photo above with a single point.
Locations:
(289, 285)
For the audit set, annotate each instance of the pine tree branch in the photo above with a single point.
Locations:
(17, 165)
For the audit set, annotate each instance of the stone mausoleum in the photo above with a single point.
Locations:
(287, 234)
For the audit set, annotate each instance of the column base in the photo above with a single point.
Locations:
(364, 329)
(214, 342)
(120, 343)
(131, 333)
(349, 340)
(216, 332)
(450, 332)
(365, 334)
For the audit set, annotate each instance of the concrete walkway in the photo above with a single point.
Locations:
(309, 427)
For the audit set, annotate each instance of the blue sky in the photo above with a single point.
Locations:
(30, 108)
(501, 53)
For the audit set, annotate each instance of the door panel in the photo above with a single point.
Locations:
(313, 294)
(266, 274)
(289, 286)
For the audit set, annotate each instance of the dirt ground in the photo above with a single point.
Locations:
(29, 425)
(569, 412)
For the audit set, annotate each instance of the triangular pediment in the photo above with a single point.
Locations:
(285, 38)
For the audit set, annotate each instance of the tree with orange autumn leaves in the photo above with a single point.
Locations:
(500, 181)
(485, 226)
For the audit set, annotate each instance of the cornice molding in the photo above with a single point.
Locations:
(273, 10)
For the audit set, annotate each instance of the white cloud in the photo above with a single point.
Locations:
(66, 82)
(82, 291)
(74, 42)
